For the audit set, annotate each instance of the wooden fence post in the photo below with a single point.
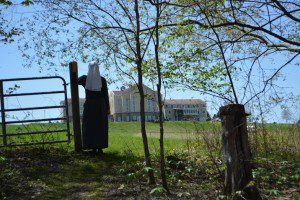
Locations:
(236, 152)
(3, 123)
(73, 67)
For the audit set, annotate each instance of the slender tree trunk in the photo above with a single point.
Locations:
(142, 95)
(160, 103)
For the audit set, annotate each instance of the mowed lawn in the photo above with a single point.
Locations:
(123, 136)
(126, 136)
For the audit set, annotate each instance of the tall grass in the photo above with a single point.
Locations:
(275, 140)
(188, 136)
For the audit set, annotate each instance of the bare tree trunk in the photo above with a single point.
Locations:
(160, 103)
(236, 151)
(142, 95)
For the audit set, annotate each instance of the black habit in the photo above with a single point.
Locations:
(95, 117)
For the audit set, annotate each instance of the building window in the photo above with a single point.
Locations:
(134, 118)
(148, 104)
(133, 103)
(127, 105)
(153, 106)
(119, 104)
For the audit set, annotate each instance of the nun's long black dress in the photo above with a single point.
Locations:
(95, 117)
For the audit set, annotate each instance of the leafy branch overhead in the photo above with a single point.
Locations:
(192, 34)
(8, 29)
(247, 32)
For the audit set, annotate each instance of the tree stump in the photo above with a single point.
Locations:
(236, 152)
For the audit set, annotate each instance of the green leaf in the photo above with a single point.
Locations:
(147, 169)
(273, 192)
(131, 176)
(4, 2)
(158, 191)
(27, 3)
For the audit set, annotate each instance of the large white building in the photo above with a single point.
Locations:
(125, 106)
(185, 109)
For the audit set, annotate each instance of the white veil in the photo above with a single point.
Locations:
(93, 80)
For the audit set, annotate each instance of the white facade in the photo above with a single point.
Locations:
(185, 109)
(125, 104)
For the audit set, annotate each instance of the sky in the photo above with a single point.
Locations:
(11, 66)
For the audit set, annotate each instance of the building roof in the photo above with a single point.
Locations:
(120, 92)
(183, 101)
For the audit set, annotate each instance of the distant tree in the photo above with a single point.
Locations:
(286, 114)
(215, 116)
(208, 117)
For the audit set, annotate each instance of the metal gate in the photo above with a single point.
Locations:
(4, 123)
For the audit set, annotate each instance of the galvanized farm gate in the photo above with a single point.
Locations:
(4, 123)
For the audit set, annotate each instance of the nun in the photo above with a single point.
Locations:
(96, 110)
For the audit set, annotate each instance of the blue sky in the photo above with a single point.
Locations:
(11, 67)
(11, 63)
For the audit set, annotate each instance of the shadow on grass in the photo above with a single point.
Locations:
(51, 173)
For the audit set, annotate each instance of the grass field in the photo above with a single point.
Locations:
(123, 136)
(55, 172)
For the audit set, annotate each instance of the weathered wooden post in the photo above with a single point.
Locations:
(236, 152)
(73, 67)
(2, 108)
